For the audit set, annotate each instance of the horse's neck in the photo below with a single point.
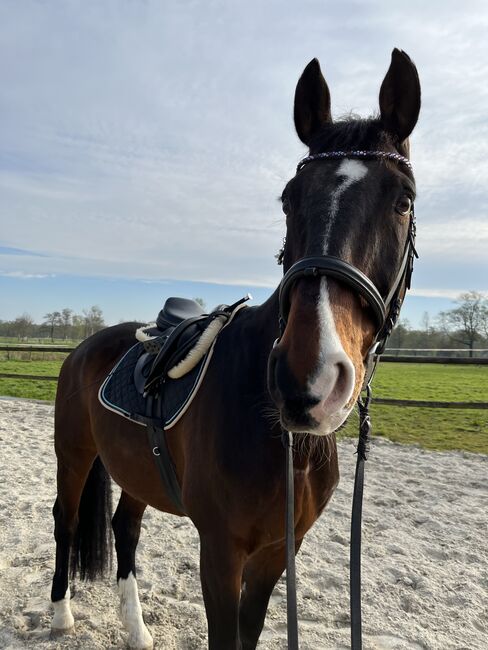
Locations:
(245, 354)
(265, 319)
(260, 331)
(256, 331)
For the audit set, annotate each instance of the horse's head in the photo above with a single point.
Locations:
(354, 206)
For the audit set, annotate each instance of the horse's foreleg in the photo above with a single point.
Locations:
(221, 563)
(126, 525)
(261, 572)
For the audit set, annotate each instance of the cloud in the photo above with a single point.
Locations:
(25, 276)
(150, 140)
(439, 293)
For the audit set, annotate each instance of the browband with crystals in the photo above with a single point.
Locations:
(356, 154)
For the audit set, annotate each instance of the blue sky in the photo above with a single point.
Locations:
(143, 144)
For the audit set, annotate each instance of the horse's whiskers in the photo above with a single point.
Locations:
(271, 414)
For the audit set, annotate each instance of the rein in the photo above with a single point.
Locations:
(386, 311)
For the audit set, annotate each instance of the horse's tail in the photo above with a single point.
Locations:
(91, 552)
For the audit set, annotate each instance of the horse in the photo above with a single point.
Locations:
(350, 199)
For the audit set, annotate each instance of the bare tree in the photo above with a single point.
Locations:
(425, 322)
(52, 319)
(23, 325)
(93, 320)
(397, 338)
(77, 326)
(469, 321)
(66, 320)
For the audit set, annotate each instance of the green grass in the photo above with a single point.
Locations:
(438, 429)
(45, 390)
(48, 368)
(431, 381)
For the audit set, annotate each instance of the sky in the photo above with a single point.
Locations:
(143, 145)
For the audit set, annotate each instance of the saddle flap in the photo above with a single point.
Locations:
(181, 339)
(142, 370)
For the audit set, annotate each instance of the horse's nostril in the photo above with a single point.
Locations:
(298, 405)
(343, 378)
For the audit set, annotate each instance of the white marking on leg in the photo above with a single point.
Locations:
(63, 618)
(131, 614)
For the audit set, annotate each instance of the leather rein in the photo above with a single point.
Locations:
(386, 312)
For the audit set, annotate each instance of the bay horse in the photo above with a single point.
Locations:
(352, 200)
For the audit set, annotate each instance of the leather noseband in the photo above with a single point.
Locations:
(327, 265)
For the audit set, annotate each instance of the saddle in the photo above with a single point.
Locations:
(176, 342)
(157, 378)
(155, 381)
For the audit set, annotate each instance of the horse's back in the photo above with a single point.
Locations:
(84, 370)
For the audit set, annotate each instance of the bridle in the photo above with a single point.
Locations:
(386, 311)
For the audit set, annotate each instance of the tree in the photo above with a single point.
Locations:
(77, 326)
(66, 320)
(23, 325)
(399, 334)
(52, 320)
(93, 320)
(425, 322)
(468, 321)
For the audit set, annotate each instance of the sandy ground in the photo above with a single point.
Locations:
(425, 569)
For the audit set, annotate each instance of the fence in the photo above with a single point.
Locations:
(389, 358)
(459, 353)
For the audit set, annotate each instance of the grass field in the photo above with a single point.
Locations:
(440, 429)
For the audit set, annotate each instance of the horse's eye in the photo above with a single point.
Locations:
(285, 206)
(404, 205)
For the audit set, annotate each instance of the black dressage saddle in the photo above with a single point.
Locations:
(155, 381)
(179, 326)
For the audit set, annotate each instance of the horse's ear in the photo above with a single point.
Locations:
(400, 96)
(312, 102)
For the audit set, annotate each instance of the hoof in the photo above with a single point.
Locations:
(56, 632)
(141, 641)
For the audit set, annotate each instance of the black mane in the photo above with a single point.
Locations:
(352, 132)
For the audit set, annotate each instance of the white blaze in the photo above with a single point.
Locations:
(331, 350)
(351, 171)
(131, 614)
(332, 354)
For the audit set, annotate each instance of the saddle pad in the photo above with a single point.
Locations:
(119, 394)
